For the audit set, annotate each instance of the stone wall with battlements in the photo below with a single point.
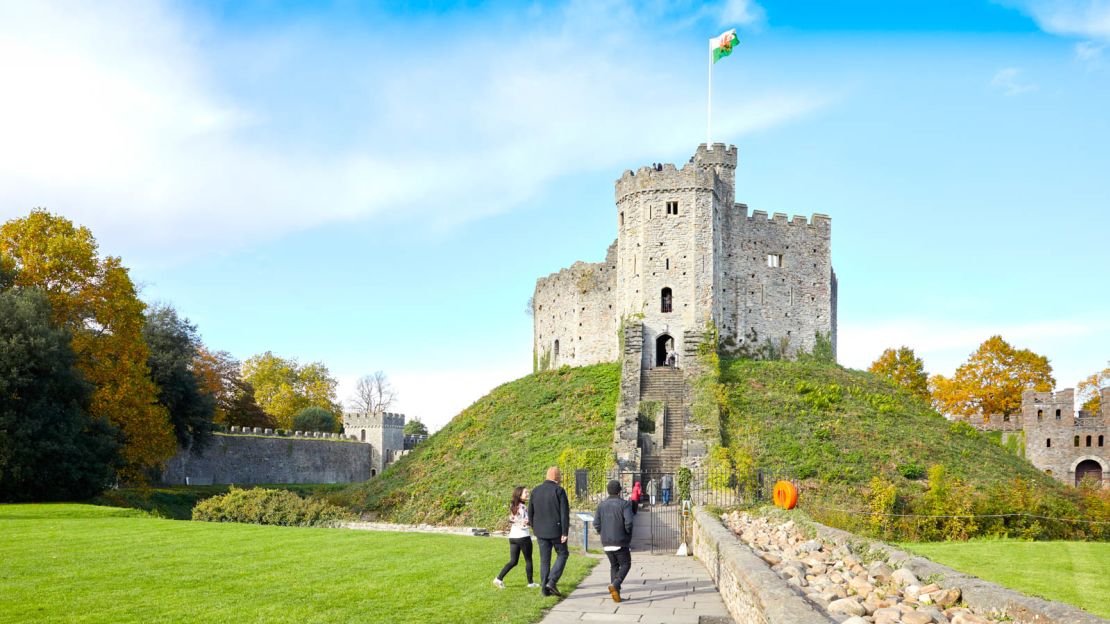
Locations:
(1057, 440)
(574, 322)
(383, 431)
(249, 457)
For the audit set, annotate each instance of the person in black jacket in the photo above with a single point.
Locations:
(613, 521)
(549, 513)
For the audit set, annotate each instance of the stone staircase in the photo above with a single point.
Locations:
(666, 386)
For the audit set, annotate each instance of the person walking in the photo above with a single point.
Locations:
(549, 513)
(637, 493)
(520, 537)
(668, 485)
(613, 522)
(651, 491)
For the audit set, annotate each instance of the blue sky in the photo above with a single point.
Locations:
(378, 186)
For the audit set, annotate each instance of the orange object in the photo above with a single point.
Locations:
(785, 495)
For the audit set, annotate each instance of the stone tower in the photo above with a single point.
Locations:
(687, 256)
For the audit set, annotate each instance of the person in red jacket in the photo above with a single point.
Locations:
(635, 497)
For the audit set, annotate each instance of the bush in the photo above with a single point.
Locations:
(315, 419)
(911, 471)
(262, 506)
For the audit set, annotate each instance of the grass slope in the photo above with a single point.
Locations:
(835, 429)
(69, 563)
(464, 473)
(1077, 573)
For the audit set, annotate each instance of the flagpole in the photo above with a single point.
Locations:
(709, 103)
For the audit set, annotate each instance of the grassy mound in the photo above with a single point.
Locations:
(80, 563)
(862, 448)
(464, 473)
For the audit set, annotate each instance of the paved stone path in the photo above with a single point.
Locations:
(660, 589)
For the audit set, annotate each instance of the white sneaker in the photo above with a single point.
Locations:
(499, 584)
(533, 585)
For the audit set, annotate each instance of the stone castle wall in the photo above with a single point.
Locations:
(1056, 440)
(260, 458)
(574, 320)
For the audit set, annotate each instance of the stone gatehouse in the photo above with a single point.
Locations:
(1066, 444)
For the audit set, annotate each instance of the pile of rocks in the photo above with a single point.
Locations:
(848, 589)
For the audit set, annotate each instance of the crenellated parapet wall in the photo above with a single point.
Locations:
(1062, 442)
(384, 431)
(574, 320)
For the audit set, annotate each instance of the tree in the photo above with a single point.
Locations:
(904, 369)
(1090, 391)
(283, 387)
(50, 447)
(373, 393)
(173, 344)
(93, 298)
(219, 375)
(992, 380)
(415, 427)
(316, 419)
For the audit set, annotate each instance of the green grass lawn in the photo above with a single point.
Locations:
(82, 563)
(1077, 573)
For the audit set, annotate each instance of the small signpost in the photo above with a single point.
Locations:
(586, 520)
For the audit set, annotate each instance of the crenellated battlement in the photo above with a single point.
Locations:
(760, 217)
(373, 420)
(708, 170)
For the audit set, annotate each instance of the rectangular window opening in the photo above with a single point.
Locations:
(774, 260)
(672, 207)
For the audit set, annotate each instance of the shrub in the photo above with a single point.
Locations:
(911, 471)
(880, 501)
(262, 506)
(648, 415)
(684, 477)
(315, 419)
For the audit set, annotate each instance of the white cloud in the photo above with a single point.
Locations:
(1009, 81)
(742, 13)
(1089, 19)
(1089, 51)
(167, 139)
(945, 344)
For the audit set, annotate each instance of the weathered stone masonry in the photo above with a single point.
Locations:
(268, 458)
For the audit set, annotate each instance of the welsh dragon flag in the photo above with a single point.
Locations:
(722, 46)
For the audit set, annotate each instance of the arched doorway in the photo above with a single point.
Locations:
(1088, 469)
(661, 344)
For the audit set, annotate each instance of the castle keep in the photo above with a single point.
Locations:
(687, 257)
(687, 254)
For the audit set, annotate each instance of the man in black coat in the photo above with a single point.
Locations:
(549, 515)
(613, 521)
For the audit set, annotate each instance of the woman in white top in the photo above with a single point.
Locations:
(520, 537)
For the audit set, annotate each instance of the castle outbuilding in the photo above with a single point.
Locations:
(687, 258)
(383, 431)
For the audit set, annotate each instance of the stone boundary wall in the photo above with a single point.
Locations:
(752, 593)
(980, 595)
(260, 458)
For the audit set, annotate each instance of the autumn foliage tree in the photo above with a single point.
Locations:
(284, 387)
(220, 376)
(903, 369)
(1090, 391)
(992, 380)
(92, 297)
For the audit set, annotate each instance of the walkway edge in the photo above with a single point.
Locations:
(752, 592)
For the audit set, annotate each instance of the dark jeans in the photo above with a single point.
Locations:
(666, 496)
(549, 575)
(620, 562)
(518, 546)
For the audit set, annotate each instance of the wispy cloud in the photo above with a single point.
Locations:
(1009, 81)
(1089, 51)
(742, 13)
(134, 117)
(1089, 19)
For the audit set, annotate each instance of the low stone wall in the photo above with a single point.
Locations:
(260, 458)
(752, 593)
(979, 595)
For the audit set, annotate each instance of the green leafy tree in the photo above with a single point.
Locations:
(93, 298)
(904, 369)
(284, 388)
(316, 419)
(415, 427)
(50, 447)
(992, 380)
(173, 344)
